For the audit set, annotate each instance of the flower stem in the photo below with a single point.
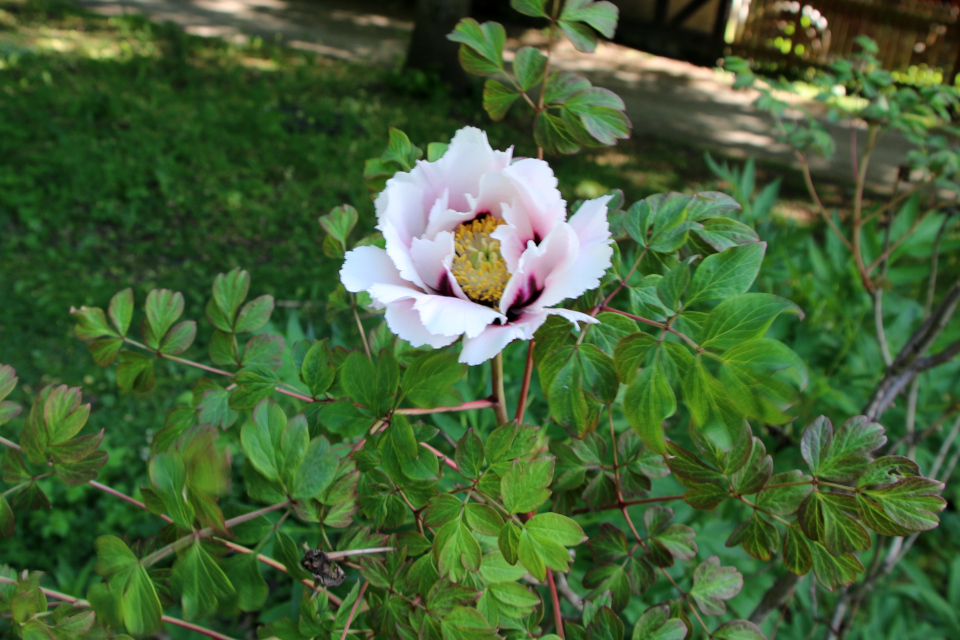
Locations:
(496, 382)
(525, 388)
(556, 604)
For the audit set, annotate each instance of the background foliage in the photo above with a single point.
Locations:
(162, 160)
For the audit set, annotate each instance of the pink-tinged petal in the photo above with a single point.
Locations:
(404, 204)
(591, 260)
(572, 316)
(404, 320)
(452, 316)
(538, 207)
(538, 270)
(399, 251)
(513, 242)
(468, 157)
(495, 337)
(447, 220)
(384, 294)
(433, 259)
(366, 266)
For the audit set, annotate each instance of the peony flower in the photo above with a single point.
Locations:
(478, 245)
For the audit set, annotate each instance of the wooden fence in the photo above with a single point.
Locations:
(911, 34)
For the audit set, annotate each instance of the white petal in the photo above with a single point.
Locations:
(433, 259)
(538, 270)
(495, 337)
(466, 160)
(452, 316)
(572, 316)
(592, 259)
(512, 240)
(538, 206)
(366, 266)
(404, 321)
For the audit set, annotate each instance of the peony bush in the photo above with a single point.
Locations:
(408, 489)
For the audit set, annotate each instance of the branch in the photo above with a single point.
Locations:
(496, 384)
(210, 633)
(627, 503)
(654, 323)
(557, 618)
(525, 387)
(447, 461)
(353, 610)
(466, 406)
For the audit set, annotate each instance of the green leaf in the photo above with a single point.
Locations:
(483, 519)
(529, 65)
(179, 338)
(399, 151)
(524, 486)
(340, 222)
(509, 541)
(140, 604)
(168, 476)
(497, 99)
(104, 351)
(214, 409)
(254, 314)
(121, 310)
(784, 501)
(842, 456)
(486, 40)
(602, 15)
(743, 318)
(738, 630)
(529, 7)
(253, 385)
(91, 323)
(260, 438)
(753, 475)
(580, 35)
(243, 572)
(286, 551)
(465, 623)
(135, 372)
(318, 370)
(605, 625)
(63, 415)
(758, 537)
(7, 522)
(834, 571)
(712, 584)
(656, 624)
(530, 557)
(610, 578)
(442, 509)
(316, 472)
(113, 556)
(223, 348)
(649, 401)
(428, 379)
(841, 533)
(762, 378)
(229, 292)
(631, 353)
(293, 447)
(469, 454)
(163, 307)
(568, 373)
(345, 419)
(796, 552)
(887, 470)
(263, 350)
(912, 502)
(726, 274)
(202, 583)
(601, 113)
(678, 539)
(551, 133)
(720, 234)
(555, 527)
(513, 594)
(358, 375)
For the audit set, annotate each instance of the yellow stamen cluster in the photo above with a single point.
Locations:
(478, 266)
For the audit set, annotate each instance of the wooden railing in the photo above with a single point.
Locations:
(910, 34)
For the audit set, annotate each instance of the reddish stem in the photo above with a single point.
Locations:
(447, 461)
(556, 604)
(126, 498)
(466, 406)
(525, 389)
(353, 610)
(653, 323)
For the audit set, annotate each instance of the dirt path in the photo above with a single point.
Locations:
(665, 98)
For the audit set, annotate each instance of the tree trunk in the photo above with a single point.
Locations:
(429, 48)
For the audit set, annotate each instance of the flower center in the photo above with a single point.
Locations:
(478, 266)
